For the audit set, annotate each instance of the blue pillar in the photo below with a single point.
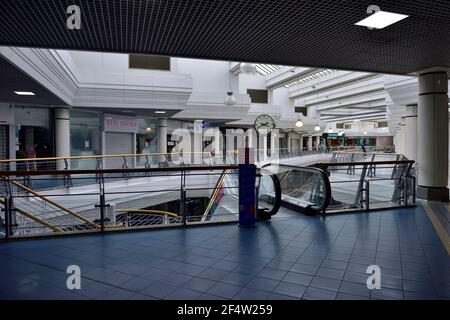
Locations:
(247, 195)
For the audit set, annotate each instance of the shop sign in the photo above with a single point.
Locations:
(117, 123)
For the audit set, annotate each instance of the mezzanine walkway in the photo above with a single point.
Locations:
(291, 258)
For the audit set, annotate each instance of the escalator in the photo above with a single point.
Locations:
(302, 189)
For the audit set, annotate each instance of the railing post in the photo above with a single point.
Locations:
(360, 187)
(125, 166)
(7, 212)
(102, 204)
(406, 190)
(367, 196)
(8, 208)
(183, 197)
(67, 177)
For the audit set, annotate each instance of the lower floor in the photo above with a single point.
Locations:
(290, 257)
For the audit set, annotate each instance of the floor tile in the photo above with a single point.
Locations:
(199, 284)
(290, 289)
(224, 290)
(325, 283)
(263, 284)
(251, 294)
(319, 294)
(298, 278)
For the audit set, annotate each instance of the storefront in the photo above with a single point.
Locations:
(94, 133)
(33, 132)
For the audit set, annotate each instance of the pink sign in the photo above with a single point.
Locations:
(121, 124)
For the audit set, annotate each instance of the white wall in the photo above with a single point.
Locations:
(250, 81)
(208, 75)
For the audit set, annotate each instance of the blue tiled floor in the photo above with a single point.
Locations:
(298, 258)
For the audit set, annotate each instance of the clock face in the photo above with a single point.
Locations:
(264, 124)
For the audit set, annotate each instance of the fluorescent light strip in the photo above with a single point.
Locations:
(24, 93)
(160, 112)
(381, 20)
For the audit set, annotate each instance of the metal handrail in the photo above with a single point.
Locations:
(216, 191)
(17, 184)
(97, 156)
(323, 165)
(369, 153)
(35, 219)
(157, 212)
(121, 170)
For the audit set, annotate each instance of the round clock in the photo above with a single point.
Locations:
(264, 124)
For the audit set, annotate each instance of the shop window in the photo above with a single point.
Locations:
(85, 133)
(146, 139)
(34, 133)
(140, 61)
(258, 96)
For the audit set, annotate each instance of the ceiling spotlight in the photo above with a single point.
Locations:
(230, 100)
(317, 128)
(24, 93)
(365, 132)
(148, 130)
(381, 19)
(299, 124)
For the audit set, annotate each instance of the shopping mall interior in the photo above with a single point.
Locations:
(238, 150)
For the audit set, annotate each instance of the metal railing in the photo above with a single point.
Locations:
(155, 197)
(153, 160)
(370, 180)
(126, 198)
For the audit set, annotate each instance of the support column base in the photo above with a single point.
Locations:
(430, 193)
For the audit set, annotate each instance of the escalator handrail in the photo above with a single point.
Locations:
(277, 188)
(318, 171)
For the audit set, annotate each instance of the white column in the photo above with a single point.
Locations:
(433, 136)
(317, 142)
(301, 142)
(310, 142)
(263, 147)
(62, 135)
(250, 134)
(198, 142)
(411, 135)
(289, 142)
(162, 137)
(217, 143)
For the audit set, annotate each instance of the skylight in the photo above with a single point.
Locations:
(381, 19)
(265, 69)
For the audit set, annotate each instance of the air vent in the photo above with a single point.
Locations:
(140, 61)
(303, 110)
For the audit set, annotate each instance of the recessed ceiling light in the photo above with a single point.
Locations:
(24, 93)
(381, 20)
(160, 112)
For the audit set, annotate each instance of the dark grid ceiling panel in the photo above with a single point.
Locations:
(285, 32)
